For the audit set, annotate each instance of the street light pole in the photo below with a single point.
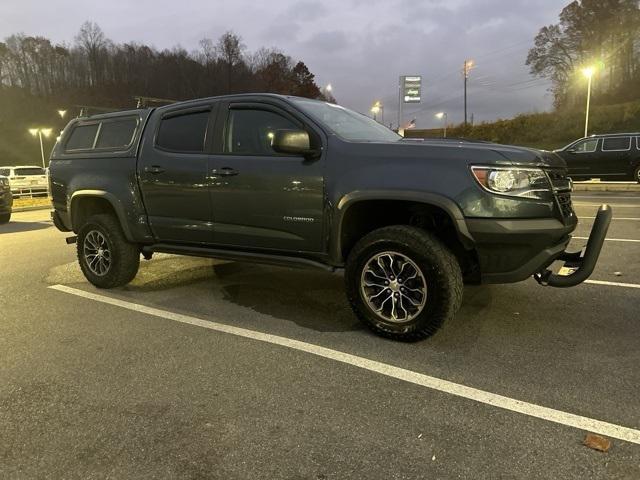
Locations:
(39, 132)
(468, 64)
(588, 72)
(443, 116)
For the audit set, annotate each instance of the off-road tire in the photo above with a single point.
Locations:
(124, 256)
(438, 265)
(4, 218)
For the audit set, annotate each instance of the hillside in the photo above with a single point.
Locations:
(547, 130)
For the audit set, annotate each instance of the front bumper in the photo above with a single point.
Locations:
(511, 251)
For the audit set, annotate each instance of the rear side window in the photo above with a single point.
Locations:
(82, 137)
(29, 171)
(184, 132)
(117, 134)
(616, 143)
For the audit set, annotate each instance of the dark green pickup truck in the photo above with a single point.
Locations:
(291, 181)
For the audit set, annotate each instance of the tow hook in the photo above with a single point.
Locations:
(578, 266)
(71, 240)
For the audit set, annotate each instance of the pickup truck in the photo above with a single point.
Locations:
(291, 181)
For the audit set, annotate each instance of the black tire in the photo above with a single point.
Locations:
(4, 218)
(636, 174)
(124, 257)
(440, 271)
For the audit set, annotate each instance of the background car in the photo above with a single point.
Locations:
(25, 179)
(610, 157)
(6, 200)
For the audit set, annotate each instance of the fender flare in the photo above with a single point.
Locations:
(442, 202)
(109, 197)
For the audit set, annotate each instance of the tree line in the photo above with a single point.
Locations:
(95, 69)
(604, 34)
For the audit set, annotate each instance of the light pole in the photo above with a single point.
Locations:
(443, 116)
(39, 132)
(378, 108)
(588, 73)
(468, 65)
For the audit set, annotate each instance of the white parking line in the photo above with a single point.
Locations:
(574, 195)
(612, 205)
(488, 398)
(611, 239)
(612, 284)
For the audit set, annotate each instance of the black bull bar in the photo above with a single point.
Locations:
(578, 266)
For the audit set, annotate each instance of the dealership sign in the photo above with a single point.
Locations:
(411, 88)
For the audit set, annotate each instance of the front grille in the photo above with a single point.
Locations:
(564, 201)
(561, 184)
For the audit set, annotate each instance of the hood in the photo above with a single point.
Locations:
(463, 151)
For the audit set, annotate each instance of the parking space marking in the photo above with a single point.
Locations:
(613, 218)
(611, 239)
(612, 284)
(574, 195)
(613, 205)
(545, 413)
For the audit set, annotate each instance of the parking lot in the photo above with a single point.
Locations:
(211, 369)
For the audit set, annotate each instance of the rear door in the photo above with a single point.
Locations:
(261, 198)
(615, 158)
(173, 171)
(581, 156)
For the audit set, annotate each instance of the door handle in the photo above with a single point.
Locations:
(154, 169)
(225, 172)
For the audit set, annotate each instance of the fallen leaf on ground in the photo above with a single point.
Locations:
(597, 442)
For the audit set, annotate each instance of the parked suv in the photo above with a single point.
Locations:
(609, 157)
(298, 182)
(26, 179)
(6, 200)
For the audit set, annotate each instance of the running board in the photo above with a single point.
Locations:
(237, 256)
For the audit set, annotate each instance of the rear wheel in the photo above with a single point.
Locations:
(4, 218)
(403, 282)
(106, 258)
(636, 174)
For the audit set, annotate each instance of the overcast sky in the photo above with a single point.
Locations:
(359, 46)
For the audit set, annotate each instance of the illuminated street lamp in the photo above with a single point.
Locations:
(378, 108)
(443, 116)
(39, 132)
(62, 113)
(328, 88)
(588, 73)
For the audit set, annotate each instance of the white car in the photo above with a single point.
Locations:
(25, 178)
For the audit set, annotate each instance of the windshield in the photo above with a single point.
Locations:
(347, 124)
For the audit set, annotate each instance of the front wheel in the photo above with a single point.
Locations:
(636, 174)
(403, 282)
(4, 218)
(106, 258)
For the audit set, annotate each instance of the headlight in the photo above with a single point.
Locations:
(514, 182)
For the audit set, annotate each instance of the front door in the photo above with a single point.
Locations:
(260, 198)
(173, 170)
(581, 156)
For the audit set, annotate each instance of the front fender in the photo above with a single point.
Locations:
(446, 204)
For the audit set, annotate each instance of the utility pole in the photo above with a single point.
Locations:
(468, 65)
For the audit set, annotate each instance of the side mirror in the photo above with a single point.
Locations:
(295, 142)
(571, 150)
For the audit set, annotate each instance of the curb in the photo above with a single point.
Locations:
(606, 187)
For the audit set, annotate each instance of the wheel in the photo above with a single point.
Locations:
(4, 218)
(636, 174)
(106, 258)
(403, 282)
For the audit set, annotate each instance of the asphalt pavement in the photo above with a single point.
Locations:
(174, 377)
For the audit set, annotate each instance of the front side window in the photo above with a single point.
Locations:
(184, 132)
(251, 131)
(117, 134)
(616, 143)
(586, 146)
(82, 137)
